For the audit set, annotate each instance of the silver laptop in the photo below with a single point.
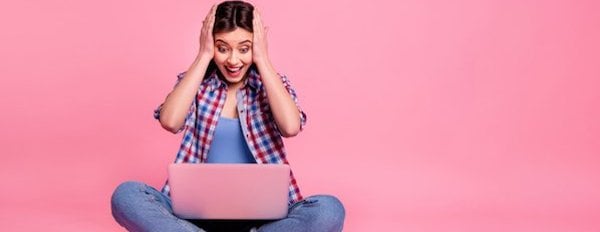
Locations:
(229, 191)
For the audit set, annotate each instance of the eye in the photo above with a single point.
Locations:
(222, 49)
(244, 50)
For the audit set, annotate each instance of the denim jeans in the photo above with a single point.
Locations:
(139, 207)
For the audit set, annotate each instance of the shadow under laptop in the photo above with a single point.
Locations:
(223, 225)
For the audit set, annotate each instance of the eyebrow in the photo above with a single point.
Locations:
(222, 41)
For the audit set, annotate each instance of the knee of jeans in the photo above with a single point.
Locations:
(125, 190)
(332, 211)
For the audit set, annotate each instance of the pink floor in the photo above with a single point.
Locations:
(509, 210)
(35, 218)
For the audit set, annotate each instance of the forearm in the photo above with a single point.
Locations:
(178, 102)
(285, 111)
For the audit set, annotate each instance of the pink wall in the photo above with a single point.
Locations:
(423, 115)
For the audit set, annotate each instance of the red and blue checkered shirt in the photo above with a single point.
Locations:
(262, 134)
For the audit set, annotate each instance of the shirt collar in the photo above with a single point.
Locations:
(253, 80)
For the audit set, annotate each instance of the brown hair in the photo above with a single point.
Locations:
(233, 14)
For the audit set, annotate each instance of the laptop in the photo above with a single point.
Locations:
(229, 191)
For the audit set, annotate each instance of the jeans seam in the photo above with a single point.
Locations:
(295, 205)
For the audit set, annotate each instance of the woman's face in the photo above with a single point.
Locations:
(233, 54)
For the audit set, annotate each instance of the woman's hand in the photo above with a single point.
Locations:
(207, 44)
(259, 44)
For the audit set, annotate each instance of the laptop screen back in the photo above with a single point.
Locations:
(229, 191)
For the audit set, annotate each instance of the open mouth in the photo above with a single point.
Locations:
(234, 71)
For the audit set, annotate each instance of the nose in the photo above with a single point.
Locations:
(233, 59)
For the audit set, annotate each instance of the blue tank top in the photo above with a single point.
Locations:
(228, 144)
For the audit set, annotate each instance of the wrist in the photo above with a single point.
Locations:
(265, 68)
(203, 59)
(263, 64)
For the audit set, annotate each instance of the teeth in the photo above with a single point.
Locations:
(234, 69)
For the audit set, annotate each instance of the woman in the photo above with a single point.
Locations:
(221, 105)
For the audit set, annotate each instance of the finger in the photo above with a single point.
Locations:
(258, 26)
(254, 17)
(211, 19)
(256, 12)
(257, 16)
(211, 13)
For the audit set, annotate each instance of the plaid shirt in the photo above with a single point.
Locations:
(262, 135)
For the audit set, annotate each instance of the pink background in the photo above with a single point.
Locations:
(423, 115)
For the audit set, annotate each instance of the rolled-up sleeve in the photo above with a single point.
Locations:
(288, 86)
(158, 109)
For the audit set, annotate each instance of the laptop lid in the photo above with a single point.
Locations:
(229, 191)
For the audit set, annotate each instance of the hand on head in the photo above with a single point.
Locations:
(207, 46)
(259, 37)
(259, 45)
